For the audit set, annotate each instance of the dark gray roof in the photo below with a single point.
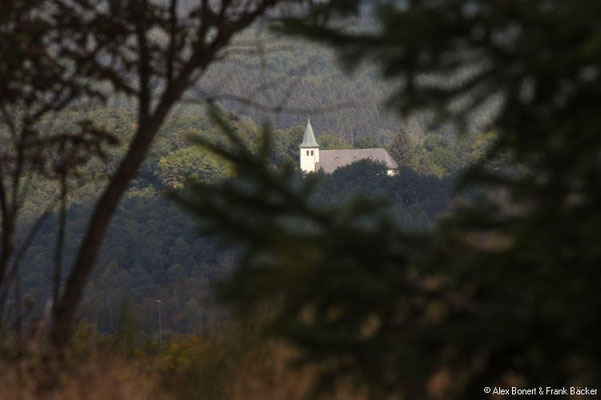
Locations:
(330, 160)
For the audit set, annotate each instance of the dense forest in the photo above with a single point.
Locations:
(153, 251)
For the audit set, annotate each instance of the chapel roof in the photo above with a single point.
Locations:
(330, 160)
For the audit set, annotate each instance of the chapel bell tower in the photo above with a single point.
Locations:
(309, 150)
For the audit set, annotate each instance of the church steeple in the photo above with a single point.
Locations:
(309, 150)
(309, 138)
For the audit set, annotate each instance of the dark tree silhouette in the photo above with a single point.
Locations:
(504, 291)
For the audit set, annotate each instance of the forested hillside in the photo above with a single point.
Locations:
(152, 250)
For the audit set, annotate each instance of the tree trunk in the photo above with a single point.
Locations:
(64, 313)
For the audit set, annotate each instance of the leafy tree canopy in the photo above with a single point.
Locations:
(190, 163)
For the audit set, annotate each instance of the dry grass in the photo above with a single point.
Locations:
(234, 368)
(229, 367)
(97, 378)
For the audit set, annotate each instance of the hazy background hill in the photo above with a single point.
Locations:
(304, 80)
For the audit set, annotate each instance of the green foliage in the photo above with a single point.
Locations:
(286, 144)
(328, 141)
(403, 150)
(441, 152)
(440, 155)
(366, 143)
(190, 163)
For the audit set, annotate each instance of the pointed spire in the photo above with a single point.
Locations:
(309, 137)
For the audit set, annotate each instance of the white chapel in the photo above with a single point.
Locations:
(313, 160)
